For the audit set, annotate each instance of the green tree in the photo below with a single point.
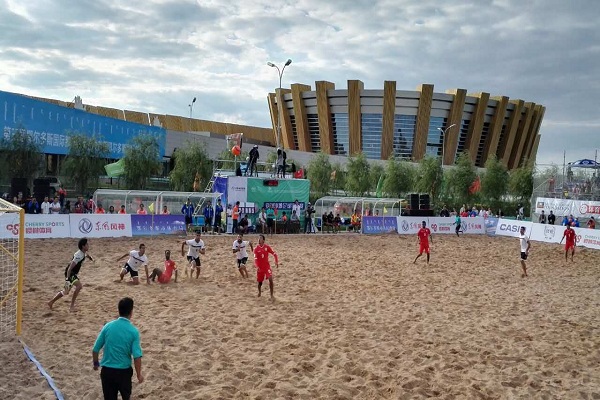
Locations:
(521, 182)
(377, 172)
(429, 177)
(142, 160)
(339, 177)
(399, 176)
(494, 183)
(190, 160)
(461, 178)
(85, 160)
(21, 156)
(319, 174)
(358, 178)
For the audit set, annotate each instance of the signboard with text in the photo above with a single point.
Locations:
(100, 225)
(151, 225)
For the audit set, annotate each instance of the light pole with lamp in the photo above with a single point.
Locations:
(444, 132)
(191, 106)
(280, 73)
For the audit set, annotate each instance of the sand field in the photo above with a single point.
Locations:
(353, 318)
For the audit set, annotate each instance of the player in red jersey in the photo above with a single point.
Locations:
(570, 242)
(424, 236)
(261, 262)
(164, 276)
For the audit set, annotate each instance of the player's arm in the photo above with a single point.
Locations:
(203, 251)
(431, 238)
(182, 246)
(89, 257)
(147, 275)
(270, 250)
(251, 247)
(528, 246)
(123, 256)
(175, 275)
(561, 239)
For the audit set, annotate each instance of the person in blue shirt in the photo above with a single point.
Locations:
(208, 213)
(120, 340)
(188, 211)
(576, 222)
(218, 212)
(270, 220)
(565, 221)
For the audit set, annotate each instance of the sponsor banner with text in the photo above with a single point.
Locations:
(378, 225)
(561, 207)
(511, 227)
(410, 225)
(490, 225)
(150, 225)
(100, 225)
(444, 225)
(38, 226)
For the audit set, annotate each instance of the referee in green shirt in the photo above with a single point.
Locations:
(121, 341)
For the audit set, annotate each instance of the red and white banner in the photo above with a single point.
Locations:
(100, 225)
(410, 225)
(562, 207)
(470, 225)
(37, 226)
(511, 227)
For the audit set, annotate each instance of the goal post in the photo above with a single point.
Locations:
(12, 256)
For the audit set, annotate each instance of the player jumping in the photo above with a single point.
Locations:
(71, 278)
(137, 258)
(239, 248)
(195, 248)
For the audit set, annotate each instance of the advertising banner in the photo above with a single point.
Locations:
(445, 225)
(286, 191)
(511, 227)
(100, 225)
(38, 226)
(237, 189)
(151, 225)
(490, 225)
(378, 225)
(562, 207)
(410, 225)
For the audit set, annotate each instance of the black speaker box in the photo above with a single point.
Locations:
(424, 202)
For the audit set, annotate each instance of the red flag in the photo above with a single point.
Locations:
(475, 186)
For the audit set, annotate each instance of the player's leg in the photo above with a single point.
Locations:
(524, 268)
(124, 271)
(417, 257)
(260, 277)
(135, 278)
(147, 275)
(78, 287)
(271, 286)
(110, 386)
(197, 267)
(59, 295)
(572, 253)
(428, 254)
(243, 269)
(156, 273)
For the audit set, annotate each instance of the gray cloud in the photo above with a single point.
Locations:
(156, 55)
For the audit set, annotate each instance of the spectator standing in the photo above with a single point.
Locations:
(235, 216)
(444, 212)
(591, 224)
(209, 214)
(45, 206)
(55, 207)
(33, 207)
(542, 218)
(218, 216)
(188, 211)
(120, 340)
(551, 218)
(253, 158)
(62, 195)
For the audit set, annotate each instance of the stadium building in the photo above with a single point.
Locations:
(406, 124)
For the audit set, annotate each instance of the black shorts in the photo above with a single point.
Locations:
(188, 220)
(270, 222)
(73, 278)
(523, 256)
(242, 262)
(134, 274)
(197, 260)
(217, 221)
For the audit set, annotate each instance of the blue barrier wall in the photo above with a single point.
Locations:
(50, 125)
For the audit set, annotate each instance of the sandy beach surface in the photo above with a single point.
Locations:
(353, 318)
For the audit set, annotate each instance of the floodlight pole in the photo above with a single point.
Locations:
(191, 106)
(444, 132)
(280, 74)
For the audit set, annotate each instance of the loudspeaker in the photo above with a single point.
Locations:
(414, 201)
(424, 202)
(41, 190)
(18, 185)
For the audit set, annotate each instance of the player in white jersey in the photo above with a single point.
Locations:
(71, 278)
(525, 246)
(137, 258)
(239, 248)
(195, 248)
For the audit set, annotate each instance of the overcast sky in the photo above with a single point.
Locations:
(156, 55)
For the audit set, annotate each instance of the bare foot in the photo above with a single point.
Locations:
(258, 294)
(50, 304)
(72, 309)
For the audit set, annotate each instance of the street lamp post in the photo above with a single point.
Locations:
(191, 106)
(280, 73)
(444, 132)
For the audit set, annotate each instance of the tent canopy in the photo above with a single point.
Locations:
(584, 163)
